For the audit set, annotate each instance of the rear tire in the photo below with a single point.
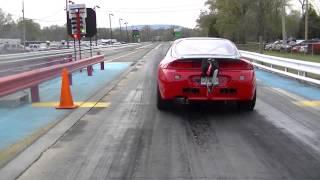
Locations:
(161, 103)
(248, 105)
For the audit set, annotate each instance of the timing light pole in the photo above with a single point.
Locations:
(306, 24)
(283, 19)
(67, 11)
(126, 23)
(96, 36)
(24, 28)
(110, 14)
(120, 29)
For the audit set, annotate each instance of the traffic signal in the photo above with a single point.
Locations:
(74, 25)
(91, 23)
(82, 26)
(77, 21)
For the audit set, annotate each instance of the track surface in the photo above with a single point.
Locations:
(133, 140)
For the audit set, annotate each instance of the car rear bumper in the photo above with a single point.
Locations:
(232, 90)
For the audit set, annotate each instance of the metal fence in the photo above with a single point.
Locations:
(301, 70)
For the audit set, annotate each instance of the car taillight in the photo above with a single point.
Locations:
(184, 64)
(235, 65)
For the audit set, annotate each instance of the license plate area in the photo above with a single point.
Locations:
(206, 81)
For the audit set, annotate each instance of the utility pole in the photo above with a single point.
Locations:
(96, 36)
(67, 23)
(283, 17)
(110, 14)
(67, 11)
(126, 23)
(120, 39)
(306, 27)
(24, 27)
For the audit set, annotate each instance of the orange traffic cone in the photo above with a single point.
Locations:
(66, 101)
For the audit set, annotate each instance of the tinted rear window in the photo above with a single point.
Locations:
(205, 47)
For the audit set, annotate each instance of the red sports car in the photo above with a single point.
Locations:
(205, 69)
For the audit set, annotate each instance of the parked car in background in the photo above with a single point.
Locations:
(55, 47)
(277, 46)
(43, 47)
(287, 46)
(298, 47)
(272, 46)
(33, 47)
(268, 46)
(7, 48)
(313, 46)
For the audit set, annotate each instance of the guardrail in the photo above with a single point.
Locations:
(32, 79)
(38, 54)
(272, 63)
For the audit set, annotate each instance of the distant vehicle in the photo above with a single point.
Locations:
(205, 69)
(55, 47)
(108, 41)
(12, 48)
(308, 46)
(303, 49)
(274, 46)
(33, 47)
(268, 46)
(117, 43)
(43, 47)
(313, 46)
(299, 47)
(287, 46)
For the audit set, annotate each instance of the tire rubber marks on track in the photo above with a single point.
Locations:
(286, 124)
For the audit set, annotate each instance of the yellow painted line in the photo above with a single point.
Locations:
(308, 103)
(80, 104)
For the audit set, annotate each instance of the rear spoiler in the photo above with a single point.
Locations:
(209, 57)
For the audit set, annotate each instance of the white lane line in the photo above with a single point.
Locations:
(144, 46)
(158, 46)
(121, 56)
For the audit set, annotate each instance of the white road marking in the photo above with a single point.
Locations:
(121, 56)
(144, 46)
(158, 46)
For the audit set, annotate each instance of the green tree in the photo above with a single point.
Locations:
(53, 33)
(8, 28)
(207, 22)
(314, 25)
(33, 29)
(293, 23)
(243, 20)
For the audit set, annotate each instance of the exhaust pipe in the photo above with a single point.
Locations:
(181, 100)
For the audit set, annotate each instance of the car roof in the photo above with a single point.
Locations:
(236, 54)
(200, 38)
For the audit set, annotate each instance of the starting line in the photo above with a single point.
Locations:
(80, 104)
(308, 103)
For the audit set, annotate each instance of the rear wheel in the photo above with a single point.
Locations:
(248, 105)
(161, 103)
